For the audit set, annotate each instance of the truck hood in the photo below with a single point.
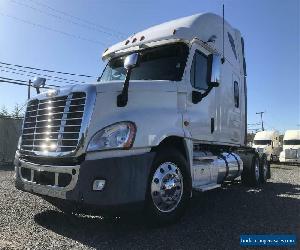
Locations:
(150, 104)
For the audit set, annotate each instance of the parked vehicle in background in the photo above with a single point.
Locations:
(268, 142)
(291, 147)
(168, 117)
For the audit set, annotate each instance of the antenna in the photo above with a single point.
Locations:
(223, 58)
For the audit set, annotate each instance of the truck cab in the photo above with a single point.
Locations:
(291, 147)
(167, 117)
(268, 142)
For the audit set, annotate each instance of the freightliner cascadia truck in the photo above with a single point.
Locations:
(267, 142)
(291, 147)
(167, 117)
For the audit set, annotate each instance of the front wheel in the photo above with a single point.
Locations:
(168, 188)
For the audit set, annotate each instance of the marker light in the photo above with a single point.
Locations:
(98, 185)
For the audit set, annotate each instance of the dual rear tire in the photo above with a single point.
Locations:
(257, 171)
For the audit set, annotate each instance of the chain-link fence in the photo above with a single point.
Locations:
(10, 130)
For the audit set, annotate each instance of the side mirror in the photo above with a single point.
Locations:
(213, 70)
(196, 97)
(38, 82)
(131, 61)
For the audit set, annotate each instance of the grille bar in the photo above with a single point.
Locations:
(50, 113)
(49, 133)
(55, 107)
(59, 100)
(53, 124)
(54, 120)
(291, 153)
(36, 146)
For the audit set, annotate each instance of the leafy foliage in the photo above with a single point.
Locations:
(15, 113)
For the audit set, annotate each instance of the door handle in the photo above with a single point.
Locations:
(212, 125)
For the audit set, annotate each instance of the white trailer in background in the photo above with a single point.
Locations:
(268, 142)
(291, 147)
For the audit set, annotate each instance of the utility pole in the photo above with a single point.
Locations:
(261, 120)
(29, 85)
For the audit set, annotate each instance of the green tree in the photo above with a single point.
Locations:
(4, 111)
(17, 111)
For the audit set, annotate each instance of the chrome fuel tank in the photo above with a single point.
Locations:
(216, 168)
(234, 167)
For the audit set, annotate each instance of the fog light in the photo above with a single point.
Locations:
(98, 185)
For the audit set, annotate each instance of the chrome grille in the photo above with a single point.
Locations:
(291, 153)
(53, 124)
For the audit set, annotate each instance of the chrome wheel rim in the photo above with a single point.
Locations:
(257, 170)
(167, 187)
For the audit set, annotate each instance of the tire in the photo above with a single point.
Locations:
(169, 188)
(264, 167)
(251, 173)
(271, 158)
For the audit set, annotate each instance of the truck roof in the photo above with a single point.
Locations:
(265, 135)
(291, 135)
(202, 26)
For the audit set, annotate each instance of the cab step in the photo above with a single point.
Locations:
(206, 187)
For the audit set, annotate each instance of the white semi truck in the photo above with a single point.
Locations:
(291, 147)
(166, 118)
(267, 142)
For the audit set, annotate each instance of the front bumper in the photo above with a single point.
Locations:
(295, 160)
(126, 180)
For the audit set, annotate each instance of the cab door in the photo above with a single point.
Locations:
(236, 110)
(200, 115)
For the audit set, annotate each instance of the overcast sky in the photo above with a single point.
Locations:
(71, 35)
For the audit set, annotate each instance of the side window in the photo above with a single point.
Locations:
(232, 44)
(199, 71)
(236, 94)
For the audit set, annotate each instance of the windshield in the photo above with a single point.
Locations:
(291, 142)
(262, 142)
(166, 62)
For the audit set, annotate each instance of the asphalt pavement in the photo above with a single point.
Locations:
(214, 220)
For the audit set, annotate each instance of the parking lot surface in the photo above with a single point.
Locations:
(215, 219)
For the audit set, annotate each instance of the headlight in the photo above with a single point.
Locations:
(120, 135)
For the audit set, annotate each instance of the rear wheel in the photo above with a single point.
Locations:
(168, 188)
(251, 174)
(264, 169)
